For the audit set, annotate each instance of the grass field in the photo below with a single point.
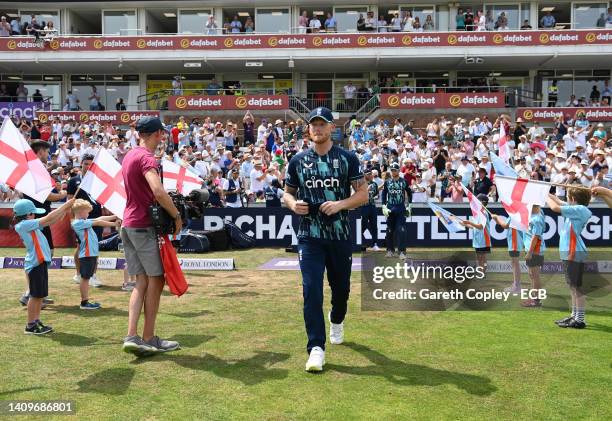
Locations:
(244, 351)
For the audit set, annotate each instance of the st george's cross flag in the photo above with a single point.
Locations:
(503, 145)
(518, 195)
(20, 168)
(104, 183)
(450, 221)
(179, 178)
(477, 208)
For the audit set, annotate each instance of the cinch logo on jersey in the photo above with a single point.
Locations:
(328, 182)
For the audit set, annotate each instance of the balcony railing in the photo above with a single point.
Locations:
(133, 32)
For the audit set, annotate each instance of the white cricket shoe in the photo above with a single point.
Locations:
(402, 256)
(316, 360)
(389, 254)
(94, 282)
(336, 332)
(76, 279)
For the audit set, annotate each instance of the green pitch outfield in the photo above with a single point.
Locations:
(244, 351)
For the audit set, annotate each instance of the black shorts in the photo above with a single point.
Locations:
(514, 253)
(483, 250)
(537, 260)
(38, 280)
(87, 266)
(47, 233)
(573, 272)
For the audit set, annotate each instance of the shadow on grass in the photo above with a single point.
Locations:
(198, 275)
(111, 288)
(191, 341)
(190, 314)
(239, 294)
(103, 312)
(70, 339)
(233, 285)
(407, 374)
(601, 328)
(249, 371)
(113, 381)
(23, 389)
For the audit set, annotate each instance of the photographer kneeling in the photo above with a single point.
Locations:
(143, 187)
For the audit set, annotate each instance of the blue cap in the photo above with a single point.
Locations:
(25, 207)
(149, 124)
(322, 113)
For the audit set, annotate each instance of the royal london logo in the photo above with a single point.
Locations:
(544, 39)
(228, 42)
(241, 102)
(498, 39)
(97, 44)
(362, 41)
(393, 101)
(406, 40)
(272, 41)
(452, 39)
(181, 102)
(184, 43)
(141, 43)
(317, 41)
(315, 183)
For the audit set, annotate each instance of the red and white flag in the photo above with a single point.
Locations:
(104, 183)
(20, 168)
(504, 147)
(477, 208)
(518, 195)
(179, 178)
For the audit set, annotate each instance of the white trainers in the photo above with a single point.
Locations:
(402, 256)
(375, 248)
(76, 279)
(389, 254)
(336, 331)
(316, 360)
(94, 282)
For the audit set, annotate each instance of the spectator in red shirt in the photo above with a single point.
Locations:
(175, 136)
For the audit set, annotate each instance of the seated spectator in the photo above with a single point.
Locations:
(526, 25)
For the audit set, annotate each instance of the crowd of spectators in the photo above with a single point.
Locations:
(434, 159)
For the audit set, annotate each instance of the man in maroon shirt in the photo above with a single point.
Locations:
(143, 187)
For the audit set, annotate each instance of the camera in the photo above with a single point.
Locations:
(189, 207)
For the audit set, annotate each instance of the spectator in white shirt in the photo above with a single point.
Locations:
(257, 177)
(349, 96)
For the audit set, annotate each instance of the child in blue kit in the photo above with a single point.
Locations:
(515, 246)
(88, 246)
(481, 238)
(38, 256)
(533, 241)
(572, 249)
